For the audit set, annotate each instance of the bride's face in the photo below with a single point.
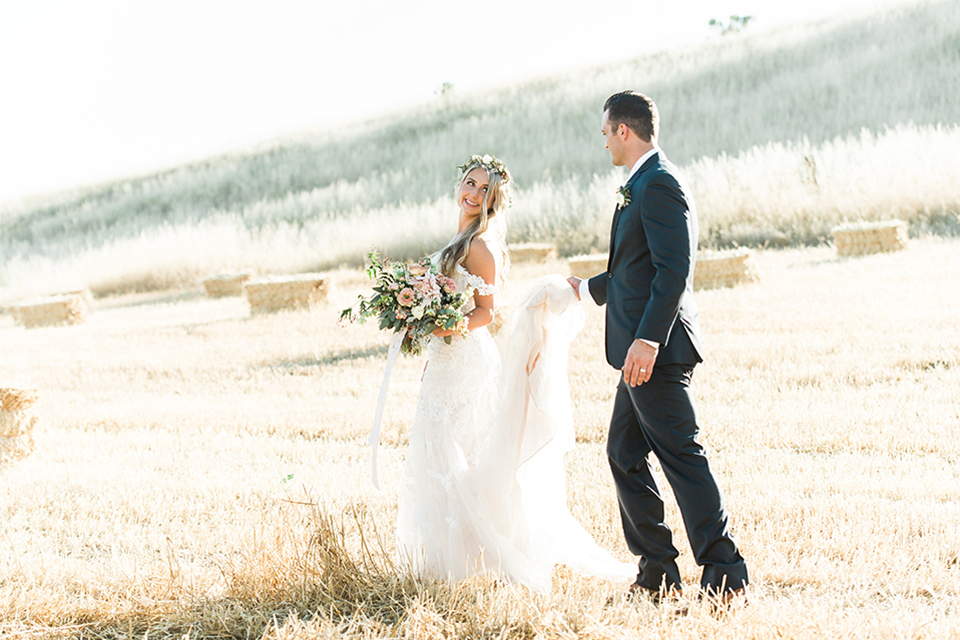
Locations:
(473, 190)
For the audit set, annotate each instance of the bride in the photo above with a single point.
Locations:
(483, 485)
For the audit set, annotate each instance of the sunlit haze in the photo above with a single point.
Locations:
(104, 89)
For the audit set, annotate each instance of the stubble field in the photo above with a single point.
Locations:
(203, 473)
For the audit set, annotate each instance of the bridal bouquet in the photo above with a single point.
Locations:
(411, 298)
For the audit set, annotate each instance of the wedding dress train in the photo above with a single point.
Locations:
(483, 489)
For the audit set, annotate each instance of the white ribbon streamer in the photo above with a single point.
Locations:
(395, 345)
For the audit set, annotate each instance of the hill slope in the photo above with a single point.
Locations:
(795, 85)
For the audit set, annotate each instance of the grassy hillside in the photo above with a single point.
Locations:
(319, 200)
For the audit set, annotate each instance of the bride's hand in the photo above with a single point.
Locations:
(442, 333)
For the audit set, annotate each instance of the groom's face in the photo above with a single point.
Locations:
(614, 141)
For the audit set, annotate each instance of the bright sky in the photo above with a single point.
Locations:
(102, 89)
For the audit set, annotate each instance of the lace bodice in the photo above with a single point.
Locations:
(463, 371)
(473, 283)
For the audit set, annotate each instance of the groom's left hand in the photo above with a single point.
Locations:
(638, 365)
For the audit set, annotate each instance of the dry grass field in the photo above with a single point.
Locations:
(203, 473)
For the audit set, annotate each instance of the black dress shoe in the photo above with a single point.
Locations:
(661, 598)
(657, 596)
(728, 601)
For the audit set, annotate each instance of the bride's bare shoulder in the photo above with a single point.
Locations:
(483, 247)
(482, 260)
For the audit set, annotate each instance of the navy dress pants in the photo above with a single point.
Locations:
(659, 417)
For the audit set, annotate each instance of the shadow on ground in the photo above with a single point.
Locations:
(328, 359)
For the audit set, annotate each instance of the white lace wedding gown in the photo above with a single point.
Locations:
(483, 487)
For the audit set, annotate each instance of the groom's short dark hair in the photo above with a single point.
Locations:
(635, 110)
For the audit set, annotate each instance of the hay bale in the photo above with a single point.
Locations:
(587, 266)
(276, 293)
(861, 238)
(225, 284)
(715, 269)
(17, 421)
(59, 309)
(17, 399)
(532, 252)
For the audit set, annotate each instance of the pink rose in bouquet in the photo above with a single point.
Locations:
(406, 297)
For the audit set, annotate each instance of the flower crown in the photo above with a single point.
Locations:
(488, 162)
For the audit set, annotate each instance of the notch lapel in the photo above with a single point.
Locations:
(619, 211)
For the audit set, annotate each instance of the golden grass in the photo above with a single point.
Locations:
(203, 473)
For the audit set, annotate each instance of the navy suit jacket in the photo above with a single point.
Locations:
(648, 284)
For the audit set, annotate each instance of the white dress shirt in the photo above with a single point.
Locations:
(584, 289)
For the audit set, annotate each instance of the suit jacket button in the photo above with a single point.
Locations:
(609, 276)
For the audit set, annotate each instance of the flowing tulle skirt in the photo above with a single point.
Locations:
(483, 488)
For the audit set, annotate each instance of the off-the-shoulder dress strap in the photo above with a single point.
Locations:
(476, 282)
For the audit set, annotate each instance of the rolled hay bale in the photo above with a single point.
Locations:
(716, 269)
(862, 238)
(225, 284)
(59, 309)
(532, 252)
(587, 266)
(276, 293)
(17, 421)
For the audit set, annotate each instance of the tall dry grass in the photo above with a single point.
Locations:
(796, 192)
(201, 472)
(780, 193)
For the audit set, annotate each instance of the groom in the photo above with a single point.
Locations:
(653, 337)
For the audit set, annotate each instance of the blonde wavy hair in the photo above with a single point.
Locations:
(491, 218)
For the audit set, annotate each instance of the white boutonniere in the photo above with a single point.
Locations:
(623, 197)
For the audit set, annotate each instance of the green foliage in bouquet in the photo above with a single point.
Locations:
(415, 299)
